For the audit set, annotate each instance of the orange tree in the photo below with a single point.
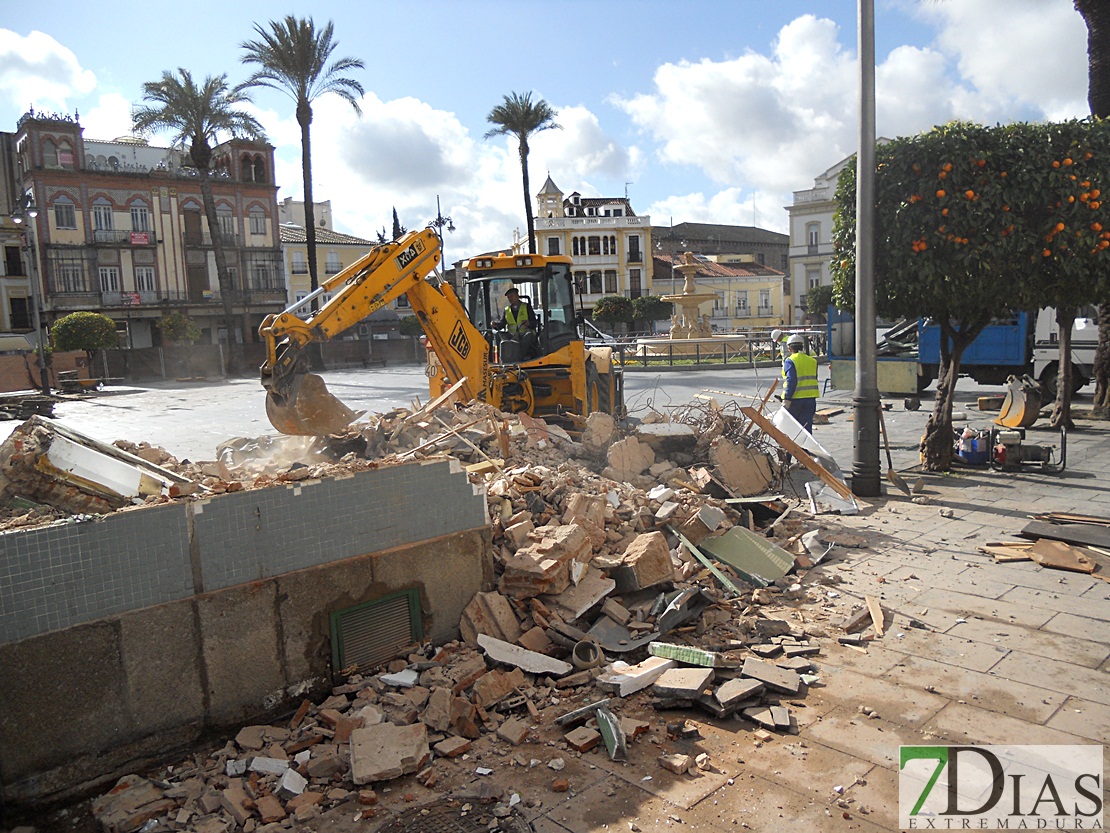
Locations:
(1067, 227)
(964, 216)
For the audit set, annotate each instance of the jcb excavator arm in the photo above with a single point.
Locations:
(299, 403)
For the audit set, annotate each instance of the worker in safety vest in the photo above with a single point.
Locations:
(799, 372)
(519, 321)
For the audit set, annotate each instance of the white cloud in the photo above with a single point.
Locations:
(38, 70)
(731, 206)
(1029, 55)
(110, 118)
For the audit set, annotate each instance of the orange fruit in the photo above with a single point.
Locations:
(1047, 253)
(1067, 161)
(969, 194)
(940, 194)
(1055, 164)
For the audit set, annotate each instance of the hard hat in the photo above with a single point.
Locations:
(795, 339)
(511, 290)
(776, 336)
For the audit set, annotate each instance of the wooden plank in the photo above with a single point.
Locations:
(762, 405)
(1006, 551)
(1060, 556)
(435, 403)
(876, 611)
(1089, 535)
(1068, 517)
(799, 453)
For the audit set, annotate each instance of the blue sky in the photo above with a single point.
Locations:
(704, 111)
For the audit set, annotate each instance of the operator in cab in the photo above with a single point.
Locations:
(799, 372)
(519, 322)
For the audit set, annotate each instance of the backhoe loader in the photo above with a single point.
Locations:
(553, 375)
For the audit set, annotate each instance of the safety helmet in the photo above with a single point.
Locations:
(776, 336)
(795, 340)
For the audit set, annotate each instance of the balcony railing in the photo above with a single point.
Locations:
(764, 312)
(635, 257)
(109, 235)
(635, 293)
(204, 238)
(299, 270)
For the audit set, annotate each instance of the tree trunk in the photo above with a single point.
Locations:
(527, 197)
(1061, 411)
(1096, 14)
(1101, 408)
(223, 276)
(936, 444)
(313, 352)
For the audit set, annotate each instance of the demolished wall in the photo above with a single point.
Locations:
(153, 626)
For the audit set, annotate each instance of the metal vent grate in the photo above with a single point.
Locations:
(368, 634)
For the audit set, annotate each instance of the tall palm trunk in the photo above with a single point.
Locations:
(304, 119)
(527, 197)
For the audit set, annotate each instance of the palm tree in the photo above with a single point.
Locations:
(292, 57)
(197, 116)
(522, 117)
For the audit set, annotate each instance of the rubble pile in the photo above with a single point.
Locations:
(634, 576)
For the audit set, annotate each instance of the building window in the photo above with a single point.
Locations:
(611, 281)
(144, 278)
(226, 222)
(65, 155)
(333, 264)
(49, 154)
(634, 288)
(813, 278)
(593, 246)
(140, 218)
(64, 215)
(70, 278)
(813, 235)
(762, 258)
(258, 222)
(552, 245)
(765, 302)
(595, 281)
(580, 282)
(299, 265)
(102, 217)
(109, 279)
(634, 255)
(403, 302)
(741, 302)
(609, 245)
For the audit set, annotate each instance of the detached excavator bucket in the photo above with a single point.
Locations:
(1022, 404)
(308, 409)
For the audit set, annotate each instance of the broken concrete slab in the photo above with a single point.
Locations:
(744, 471)
(401, 679)
(628, 458)
(544, 566)
(489, 613)
(627, 679)
(582, 739)
(770, 674)
(514, 731)
(737, 690)
(574, 602)
(758, 561)
(682, 683)
(385, 752)
(507, 654)
(495, 686)
(646, 563)
(453, 747)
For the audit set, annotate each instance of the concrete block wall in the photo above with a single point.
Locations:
(139, 660)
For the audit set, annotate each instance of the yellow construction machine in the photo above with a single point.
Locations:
(550, 374)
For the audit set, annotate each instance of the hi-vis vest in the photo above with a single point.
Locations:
(515, 323)
(806, 368)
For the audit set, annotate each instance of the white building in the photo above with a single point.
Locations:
(608, 242)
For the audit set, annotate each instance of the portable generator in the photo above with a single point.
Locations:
(1010, 451)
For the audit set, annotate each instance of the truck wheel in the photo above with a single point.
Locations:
(1050, 375)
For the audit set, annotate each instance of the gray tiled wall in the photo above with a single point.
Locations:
(66, 574)
(62, 575)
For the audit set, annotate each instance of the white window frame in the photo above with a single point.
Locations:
(140, 218)
(102, 217)
(109, 279)
(332, 264)
(299, 265)
(813, 234)
(144, 279)
(258, 222)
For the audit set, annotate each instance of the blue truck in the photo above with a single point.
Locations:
(1022, 344)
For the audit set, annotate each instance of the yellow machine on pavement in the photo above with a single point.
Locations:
(554, 376)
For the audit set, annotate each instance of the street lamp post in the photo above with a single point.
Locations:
(25, 208)
(439, 222)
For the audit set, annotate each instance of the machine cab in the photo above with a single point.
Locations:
(544, 283)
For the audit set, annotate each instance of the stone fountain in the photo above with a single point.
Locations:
(687, 323)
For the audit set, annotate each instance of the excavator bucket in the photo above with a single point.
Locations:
(1022, 404)
(308, 409)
